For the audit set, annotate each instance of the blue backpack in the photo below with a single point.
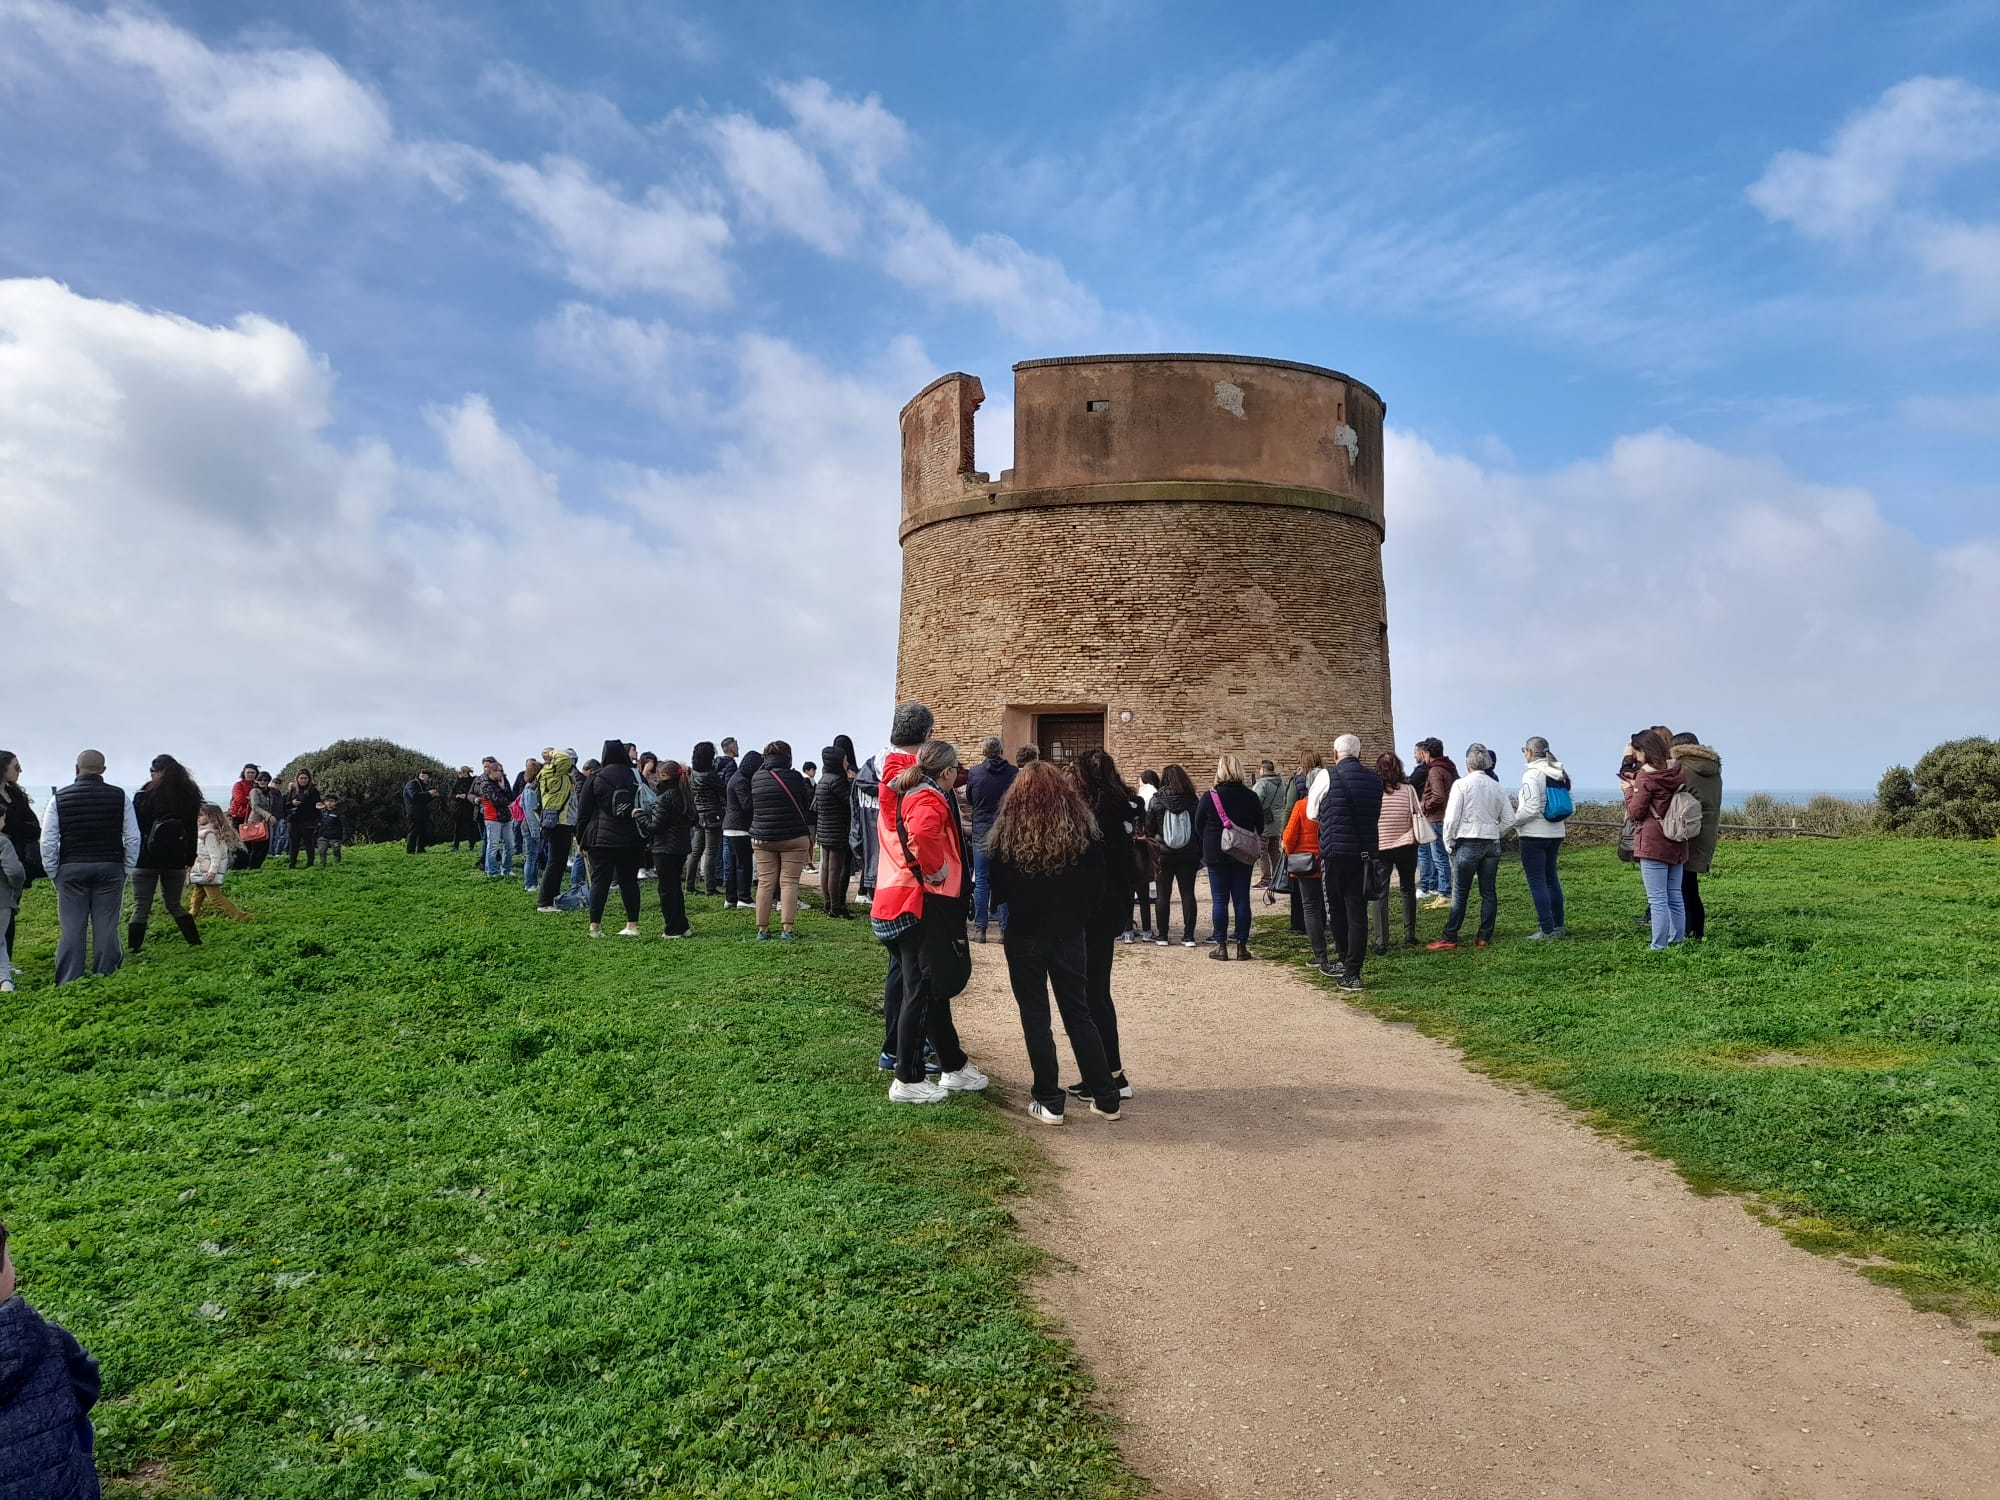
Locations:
(1557, 803)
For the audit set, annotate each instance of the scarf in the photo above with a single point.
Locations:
(557, 782)
(1316, 789)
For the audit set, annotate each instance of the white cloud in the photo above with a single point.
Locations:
(171, 492)
(1880, 177)
(861, 133)
(609, 243)
(780, 183)
(255, 108)
(1667, 582)
(781, 178)
(1891, 152)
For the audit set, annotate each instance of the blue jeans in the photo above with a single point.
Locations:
(1474, 859)
(500, 847)
(1433, 865)
(1229, 886)
(1663, 895)
(1538, 863)
(533, 852)
(982, 890)
(281, 836)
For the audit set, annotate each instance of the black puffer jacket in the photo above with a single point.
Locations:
(47, 1388)
(711, 794)
(615, 786)
(1244, 810)
(1350, 811)
(780, 805)
(736, 810)
(673, 823)
(166, 827)
(833, 809)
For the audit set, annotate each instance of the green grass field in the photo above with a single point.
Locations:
(402, 1189)
(1832, 1049)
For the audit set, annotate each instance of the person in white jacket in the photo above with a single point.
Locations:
(1476, 817)
(217, 842)
(1541, 836)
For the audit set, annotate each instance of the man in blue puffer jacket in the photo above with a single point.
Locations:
(47, 1388)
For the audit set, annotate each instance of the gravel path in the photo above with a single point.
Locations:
(1322, 1258)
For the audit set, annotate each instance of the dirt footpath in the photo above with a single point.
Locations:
(1321, 1258)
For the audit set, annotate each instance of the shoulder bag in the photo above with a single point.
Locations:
(1420, 822)
(1238, 843)
(947, 951)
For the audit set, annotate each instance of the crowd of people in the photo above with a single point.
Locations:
(1066, 861)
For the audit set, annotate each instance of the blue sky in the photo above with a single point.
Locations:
(608, 306)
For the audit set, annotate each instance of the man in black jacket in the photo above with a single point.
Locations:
(985, 785)
(417, 795)
(1349, 816)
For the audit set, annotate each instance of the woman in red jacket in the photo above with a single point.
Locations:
(1660, 858)
(923, 861)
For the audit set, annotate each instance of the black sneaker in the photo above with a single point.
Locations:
(1351, 982)
(1221, 951)
(1330, 970)
(1081, 1091)
(1243, 950)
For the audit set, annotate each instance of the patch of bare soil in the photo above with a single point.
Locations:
(1320, 1257)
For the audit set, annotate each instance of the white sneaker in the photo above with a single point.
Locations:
(917, 1093)
(545, 910)
(1189, 943)
(1046, 1116)
(965, 1080)
(6, 986)
(628, 931)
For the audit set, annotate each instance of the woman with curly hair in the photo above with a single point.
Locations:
(1047, 864)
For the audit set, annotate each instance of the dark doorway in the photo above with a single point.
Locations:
(1063, 737)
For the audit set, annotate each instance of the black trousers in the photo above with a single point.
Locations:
(1404, 858)
(1346, 908)
(419, 837)
(1309, 905)
(836, 867)
(621, 865)
(1035, 966)
(673, 900)
(920, 1015)
(1171, 876)
(1100, 942)
(556, 842)
(304, 836)
(742, 865)
(1697, 914)
(464, 828)
(704, 861)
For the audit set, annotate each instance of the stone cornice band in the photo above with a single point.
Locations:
(982, 500)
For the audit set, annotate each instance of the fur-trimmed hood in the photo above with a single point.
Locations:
(1701, 754)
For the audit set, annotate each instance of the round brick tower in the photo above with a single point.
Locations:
(1185, 559)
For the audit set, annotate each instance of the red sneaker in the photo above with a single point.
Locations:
(1482, 943)
(1441, 945)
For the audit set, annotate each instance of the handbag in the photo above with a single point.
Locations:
(947, 950)
(1420, 824)
(254, 832)
(1303, 863)
(1238, 843)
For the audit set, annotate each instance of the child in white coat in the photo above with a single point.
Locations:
(216, 842)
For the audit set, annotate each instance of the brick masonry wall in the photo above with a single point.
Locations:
(1247, 628)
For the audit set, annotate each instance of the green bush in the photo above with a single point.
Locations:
(368, 776)
(1954, 793)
